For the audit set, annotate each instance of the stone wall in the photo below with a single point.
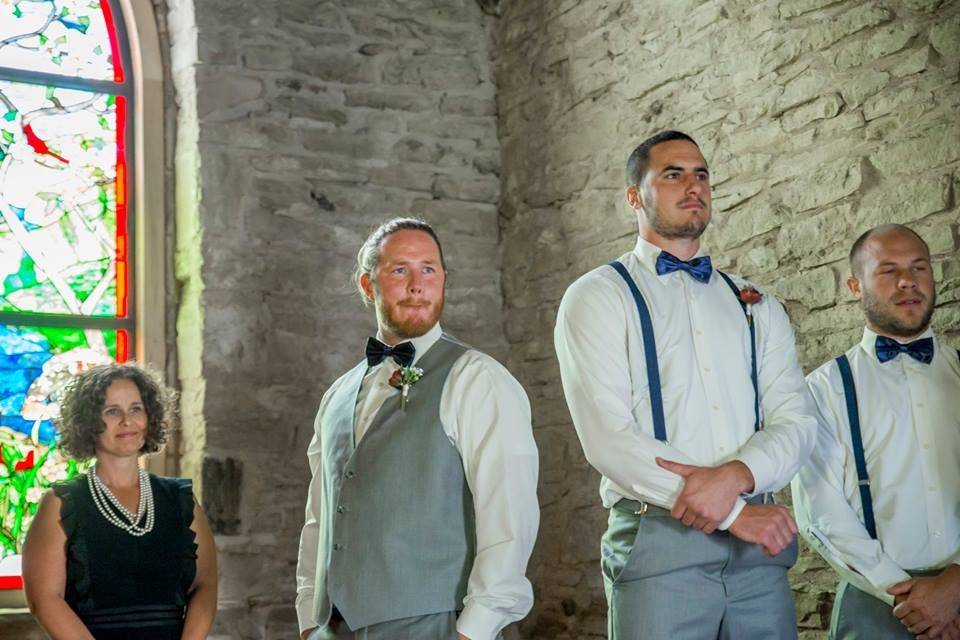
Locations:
(819, 119)
(301, 126)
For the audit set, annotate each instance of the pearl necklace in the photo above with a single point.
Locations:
(104, 499)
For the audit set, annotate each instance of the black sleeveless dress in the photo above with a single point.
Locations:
(123, 586)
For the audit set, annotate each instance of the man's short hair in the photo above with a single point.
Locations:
(640, 158)
(856, 251)
(369, 255)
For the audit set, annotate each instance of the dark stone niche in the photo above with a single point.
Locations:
(222, 481)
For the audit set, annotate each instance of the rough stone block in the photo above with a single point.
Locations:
(860, 17)
(937, 145)
(817, 239)
(815, 289)
(758, 260)
(890, 102)
(856, 89)
(267, 57)
(221, 92)
(945, 38)
(830, 182)
(336, 66)
(824, 107)
(879, 44)
(432, 72)
(904, 202)
(752, 219)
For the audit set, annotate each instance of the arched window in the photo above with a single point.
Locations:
(66, 302)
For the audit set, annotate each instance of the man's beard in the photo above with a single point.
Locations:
(691, 230)
(878, 316)
(413, 328)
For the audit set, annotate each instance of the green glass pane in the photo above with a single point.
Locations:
(57, 201)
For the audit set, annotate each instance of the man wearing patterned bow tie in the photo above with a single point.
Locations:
(686, 394)
(880, 497)
(422, 511)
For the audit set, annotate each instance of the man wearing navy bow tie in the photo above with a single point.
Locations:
(422, 511)
(685, 391)
(880, 497)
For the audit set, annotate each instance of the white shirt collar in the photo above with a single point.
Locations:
(647, 254)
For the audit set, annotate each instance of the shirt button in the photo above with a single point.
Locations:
(698, 332)
(350, 473)
(337, 546)
(340, 509)
(706, 369)
(716, 407)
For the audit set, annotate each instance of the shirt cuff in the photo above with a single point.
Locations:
(304, 607)
(759, 465)
(733, 515)
(479, 623)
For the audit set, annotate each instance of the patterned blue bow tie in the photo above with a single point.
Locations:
(920, 350)
(403, 353)
(698, 268)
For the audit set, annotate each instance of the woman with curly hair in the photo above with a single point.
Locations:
(119, 553)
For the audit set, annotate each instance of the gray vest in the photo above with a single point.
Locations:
(398, 539)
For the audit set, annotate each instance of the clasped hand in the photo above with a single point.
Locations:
(710, 493)
(930, 607)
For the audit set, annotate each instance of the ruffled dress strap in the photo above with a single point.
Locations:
(71, 492)
(181, 490)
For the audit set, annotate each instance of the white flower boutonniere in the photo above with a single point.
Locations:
(403, 378)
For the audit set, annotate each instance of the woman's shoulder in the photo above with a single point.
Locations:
(68, 489)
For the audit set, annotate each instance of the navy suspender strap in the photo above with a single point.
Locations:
(853, 414)
(649, 353)
(753, 350)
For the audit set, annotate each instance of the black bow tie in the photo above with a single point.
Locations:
(403, 353)
(920, 350)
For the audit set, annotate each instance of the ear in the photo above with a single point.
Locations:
(634, 198)
(366, 285)
(854, 285)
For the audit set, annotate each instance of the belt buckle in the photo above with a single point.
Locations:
(642, 510)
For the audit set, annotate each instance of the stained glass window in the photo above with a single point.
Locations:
(64, 233)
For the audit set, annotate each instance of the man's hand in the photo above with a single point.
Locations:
(925, 604)
(769, 525)
(306, 633)
(460, 636)
(709, 493)
(949, 631)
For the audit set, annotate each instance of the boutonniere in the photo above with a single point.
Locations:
(403, 378)
(749, 296)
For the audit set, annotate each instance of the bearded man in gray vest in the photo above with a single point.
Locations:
(880, 496)
(422, 511)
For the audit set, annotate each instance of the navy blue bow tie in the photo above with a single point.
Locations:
(403, 353)
(920, 350)
(698, 268)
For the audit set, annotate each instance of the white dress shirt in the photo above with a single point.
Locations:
(486, 415)
(703, 348)
(910, 426)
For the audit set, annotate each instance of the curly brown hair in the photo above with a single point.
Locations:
(80, 421)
